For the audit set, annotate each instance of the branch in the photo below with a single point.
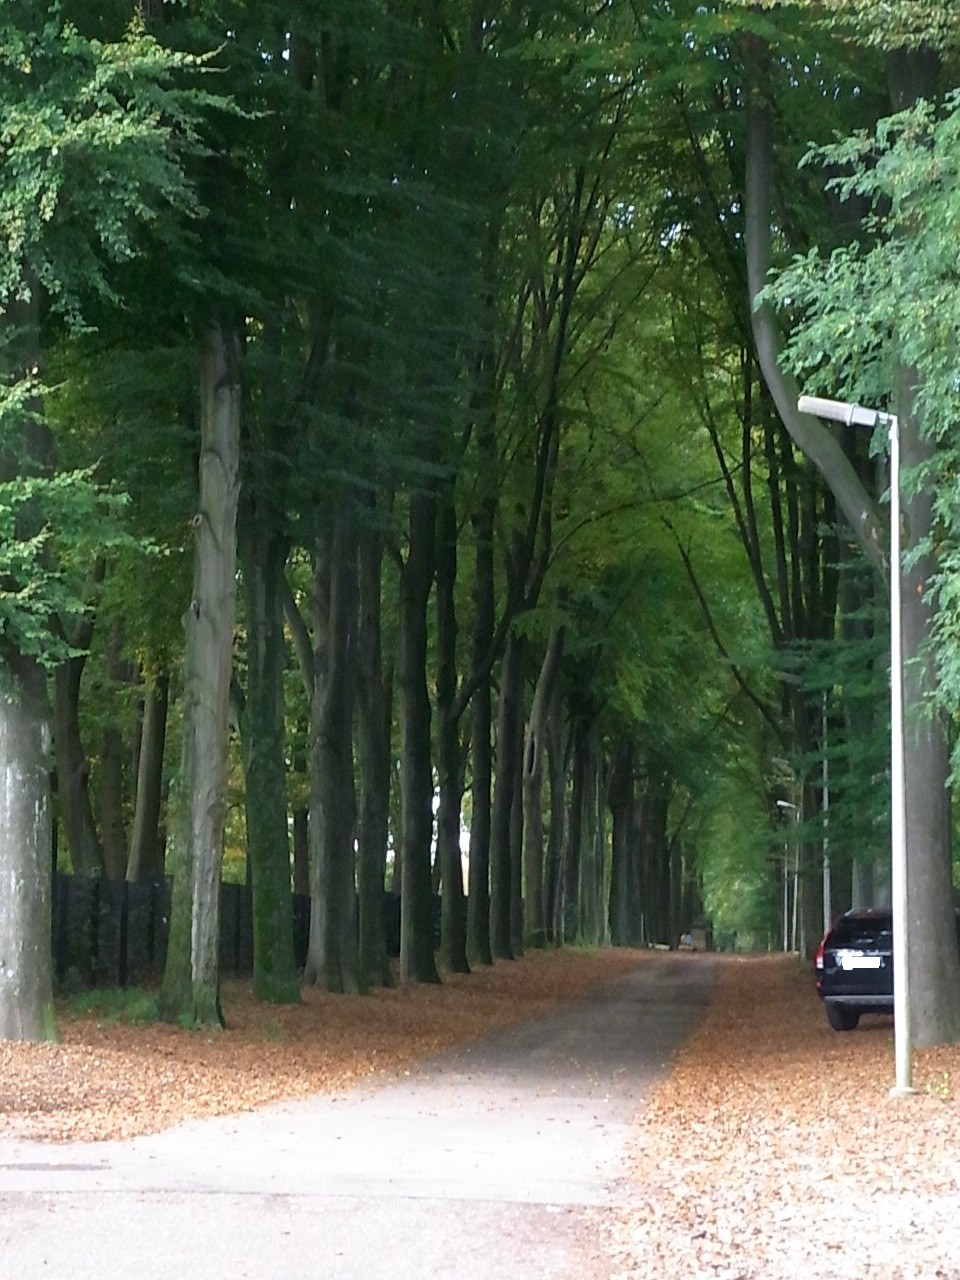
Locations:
(815, 439)
(721, 648)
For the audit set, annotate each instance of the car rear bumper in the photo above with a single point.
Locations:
(877, 1003)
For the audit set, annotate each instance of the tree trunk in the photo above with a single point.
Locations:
(934, 966)
(111, 806)
(622, 811)
(573, 848)
(478, 881)
(373, 751)
(557, 760)
(146, 853)
(591, 879)
(314, 660)
(263, 558)
(417, 962)
(450, 756)
(73, 769)
(26, 967)
(26, 853)
(207, 666)
(503, 856)
(534, 753)
(655, 858)
(112, 787)
(338, 805)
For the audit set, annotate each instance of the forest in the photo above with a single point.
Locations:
(404, 490)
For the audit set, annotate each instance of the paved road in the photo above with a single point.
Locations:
(497, 1161)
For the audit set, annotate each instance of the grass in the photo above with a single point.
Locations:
(115, 1004)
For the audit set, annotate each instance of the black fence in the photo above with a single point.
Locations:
(113, 934)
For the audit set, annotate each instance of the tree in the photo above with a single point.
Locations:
(898, 341)
(93, 149)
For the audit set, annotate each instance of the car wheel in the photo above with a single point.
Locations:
(841, 1018)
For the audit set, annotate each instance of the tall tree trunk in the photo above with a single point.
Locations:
(655, 857)
(315, 674)
(622, 810)
(573, 848)
(26, 964)
(111, 803)
(417, 961)
(373, 751)
(934, 967)
(450, 761)
(591, 878)
(263, 555)
(26, 969)
(478, 880)
(504, 857)
(534, 753)
(112, 787)
(73, 767)
(207, 666)
(557, 760)
(338, 805)
(146, 853)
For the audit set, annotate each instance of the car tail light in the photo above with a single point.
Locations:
(818, 957)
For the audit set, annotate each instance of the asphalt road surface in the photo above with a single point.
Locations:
(496, 1162)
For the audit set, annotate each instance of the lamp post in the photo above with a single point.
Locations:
(855, 415)
(825, 810)
(788, 934)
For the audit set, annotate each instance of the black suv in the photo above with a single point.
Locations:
(854, 967)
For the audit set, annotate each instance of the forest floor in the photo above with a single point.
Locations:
(771, 1148)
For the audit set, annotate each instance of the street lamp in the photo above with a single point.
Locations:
(786, 804)
(855, 415)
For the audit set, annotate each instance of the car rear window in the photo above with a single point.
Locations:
(862, 932)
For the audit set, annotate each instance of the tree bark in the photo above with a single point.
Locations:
(934, 965)
(534, 754)
(73, 767)
(557, 760)
(417, 961)
(263, 555)
(26, 852)
(573, 847)
(450, 756)
(504, 856)
(591, 879)
(112, 788)
(313, 661)
(334, 753)
(207, 667)
(26, 967)
(111, 803)
(146, 853)
(373, 751)
(478, 878)
(621, 798)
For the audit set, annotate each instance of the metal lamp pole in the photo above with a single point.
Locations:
(855, 415)
(786, 804)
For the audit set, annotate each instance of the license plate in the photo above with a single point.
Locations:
(860, 962)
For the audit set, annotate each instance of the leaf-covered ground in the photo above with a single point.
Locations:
(108, 1078)
(772, 1150)
(775, 1150)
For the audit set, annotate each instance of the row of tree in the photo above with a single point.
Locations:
(440, 331)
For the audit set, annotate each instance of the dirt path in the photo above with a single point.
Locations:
(504, 1158)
